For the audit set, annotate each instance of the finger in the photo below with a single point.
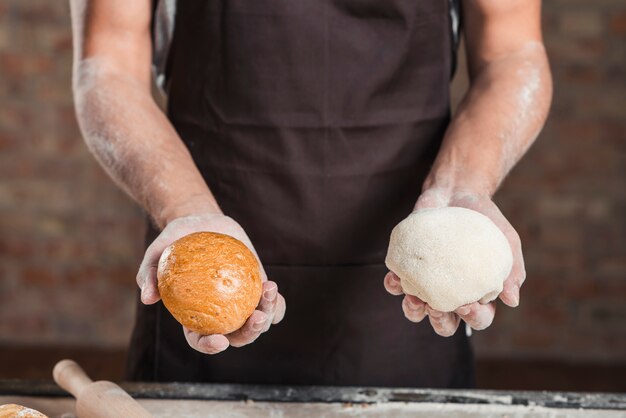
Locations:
(147, 277)
(250, 331)
(413, 308)
(444, 323)
(392, 284)
(207, 344)
(268, 302)
(513, 283)
(477, 316)
(510, 292)
(281, 307)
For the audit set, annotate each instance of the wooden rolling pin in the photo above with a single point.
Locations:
(100, 399)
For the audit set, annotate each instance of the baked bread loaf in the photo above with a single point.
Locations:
(12, 410)
(210, 282)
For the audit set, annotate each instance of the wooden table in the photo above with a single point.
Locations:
(226, 400)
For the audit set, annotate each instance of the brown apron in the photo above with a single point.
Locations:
(314, 122)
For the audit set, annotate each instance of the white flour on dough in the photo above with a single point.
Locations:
(449, 257)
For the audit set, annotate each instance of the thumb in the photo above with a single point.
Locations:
(147, 279)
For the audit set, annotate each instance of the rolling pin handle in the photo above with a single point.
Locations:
(70, 376)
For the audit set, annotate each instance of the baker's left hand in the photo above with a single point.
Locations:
(477, 316)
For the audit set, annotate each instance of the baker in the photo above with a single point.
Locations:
(308, 129)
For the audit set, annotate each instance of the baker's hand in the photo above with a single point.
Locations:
(476, 315)
(271, 309)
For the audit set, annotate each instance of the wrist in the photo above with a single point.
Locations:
(465, 164)
(451, 179)
(190, 206)
(444, 188)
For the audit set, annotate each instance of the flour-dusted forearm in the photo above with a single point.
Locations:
(497, 121)
(507, 102)
(122, 125)
(137, 146)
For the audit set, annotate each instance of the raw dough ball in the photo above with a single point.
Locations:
(449, 257)
(211, 283)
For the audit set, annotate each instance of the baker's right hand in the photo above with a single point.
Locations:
(271, 309)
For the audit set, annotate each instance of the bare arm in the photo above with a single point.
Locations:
(508, 100)
(139, 148)
(122, 125)
(497, 121)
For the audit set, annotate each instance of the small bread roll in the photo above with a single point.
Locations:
(12, 410)
(449, 257)
(210, 282)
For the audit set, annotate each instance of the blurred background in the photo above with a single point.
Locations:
(71, 242)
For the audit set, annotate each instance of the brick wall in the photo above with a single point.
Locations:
(70, 242)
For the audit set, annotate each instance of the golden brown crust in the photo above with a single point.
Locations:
(210, 282)
(12, 410)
